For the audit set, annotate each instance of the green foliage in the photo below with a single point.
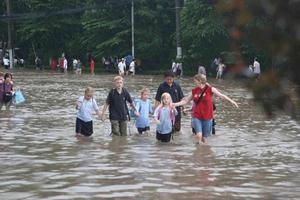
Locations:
(203, 33)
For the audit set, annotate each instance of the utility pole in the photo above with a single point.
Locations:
(9, 28)
(132, 28)
(178, 43)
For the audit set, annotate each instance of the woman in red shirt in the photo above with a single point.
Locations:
(202, 112)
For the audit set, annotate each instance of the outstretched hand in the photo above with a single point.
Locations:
(235, 104)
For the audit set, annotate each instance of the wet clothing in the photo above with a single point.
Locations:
(164, 115)
(141, 130)
(176, 94)
(118, 127)
(5, 87)
(144, 108)
(118, 109)
(204, 108)
(202, 126)
(84, 128)
(86, 108)
(163, 137)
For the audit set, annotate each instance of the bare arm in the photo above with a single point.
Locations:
(156, 104)
(184, 101)
(103, 111)
(223, 96)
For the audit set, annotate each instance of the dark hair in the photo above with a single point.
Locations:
(7, 75)
(169, 74)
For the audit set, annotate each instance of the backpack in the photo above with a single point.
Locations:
(172, 115)
(132, 110)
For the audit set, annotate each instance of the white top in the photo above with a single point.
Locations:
(201, 70)
(5, 61)
(121, 66)
(174, 67)
(132, 66)
(221, 67)
(86, 108)
(256, 67)
(65, 64)
(75, 62)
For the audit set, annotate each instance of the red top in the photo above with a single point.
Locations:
(92, 64)
(204, 108)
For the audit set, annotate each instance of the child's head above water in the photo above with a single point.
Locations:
(166, 99)
(119, 82)
(88, 93)
(145, 92)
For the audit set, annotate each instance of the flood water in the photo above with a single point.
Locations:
(250, 157)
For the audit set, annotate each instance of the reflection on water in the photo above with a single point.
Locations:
(249, 158)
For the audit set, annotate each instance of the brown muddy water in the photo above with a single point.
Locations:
(250, 157)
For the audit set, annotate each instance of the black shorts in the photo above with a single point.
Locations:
(163, 137)
(141, 130)
(84, 128)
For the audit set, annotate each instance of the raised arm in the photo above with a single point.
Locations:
(184, 101)
(223, 96)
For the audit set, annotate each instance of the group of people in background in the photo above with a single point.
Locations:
(218, 65)
(126, 67)
(169, 104)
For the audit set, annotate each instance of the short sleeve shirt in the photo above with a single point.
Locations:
(117, 102)
(86, 109)
(174, 90)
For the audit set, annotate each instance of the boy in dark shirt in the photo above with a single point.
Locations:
(176, 93)
(118, 111)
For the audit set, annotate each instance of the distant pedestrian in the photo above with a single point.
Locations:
(92, 65)
(122, 67)
(201, 69)
(6, 62)
(38, 63)
(131, 70)
(220, 70)
(53, 64)
(78, 67)
(65, 66)
(256, 68)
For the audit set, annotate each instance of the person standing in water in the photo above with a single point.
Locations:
(202, 113)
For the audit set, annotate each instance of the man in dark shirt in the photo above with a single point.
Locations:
(176, 93)
(118, 111)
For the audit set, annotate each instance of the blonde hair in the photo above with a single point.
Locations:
(201, 78)
(116, 78)
(165, 95)
(89, 91)
(145, 90)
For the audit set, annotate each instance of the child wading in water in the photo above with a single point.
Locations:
(164, 116)
(118, 111)
(86, 105)
(143, 109)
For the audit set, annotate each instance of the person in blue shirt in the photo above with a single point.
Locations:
(143, 109)
(86, 106)
(164, 117)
